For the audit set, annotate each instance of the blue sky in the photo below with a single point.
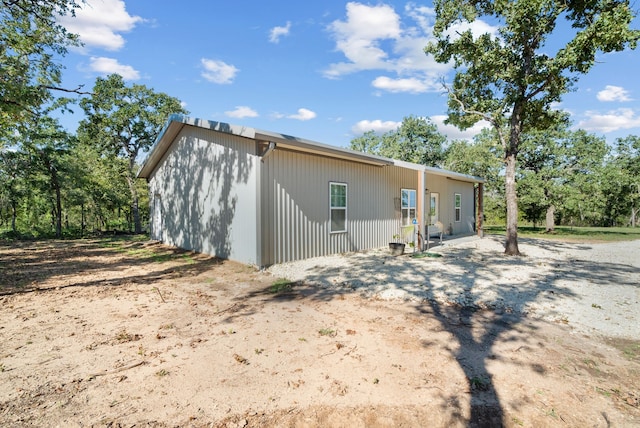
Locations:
(322, 70)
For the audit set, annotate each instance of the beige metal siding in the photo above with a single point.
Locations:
(207, 184)
(447, 188)
(295, 205)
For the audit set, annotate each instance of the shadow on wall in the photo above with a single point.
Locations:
(198, 183)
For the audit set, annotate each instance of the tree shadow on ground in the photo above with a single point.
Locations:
(477, 316)
(37, 263)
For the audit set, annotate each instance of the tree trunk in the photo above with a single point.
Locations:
(511, 151)
(131, 181)
(511, 245)
(55, 184)
(82, 220)
(58, 212)
(14, 214)
(551, 218)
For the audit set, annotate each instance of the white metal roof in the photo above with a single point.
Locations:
(175, 123)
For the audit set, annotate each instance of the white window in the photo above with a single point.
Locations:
(338, 207)
(408, 206)
(458, 206)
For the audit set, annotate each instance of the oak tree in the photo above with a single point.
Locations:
(31, 44)
(416, 140)
(512, 77)
(123, 121)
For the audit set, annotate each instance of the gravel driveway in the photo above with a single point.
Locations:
(594, 288)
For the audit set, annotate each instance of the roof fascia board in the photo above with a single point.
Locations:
(454, 175)
(160, 147)
(308, 146)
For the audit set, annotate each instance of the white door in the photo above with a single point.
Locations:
(434, 210)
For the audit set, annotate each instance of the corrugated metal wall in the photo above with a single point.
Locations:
(206, 186)
(295, 205)
(447, 187)
(216, 196)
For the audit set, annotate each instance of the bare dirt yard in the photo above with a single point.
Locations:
(122, 332)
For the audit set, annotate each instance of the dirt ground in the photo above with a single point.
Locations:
(115, 332)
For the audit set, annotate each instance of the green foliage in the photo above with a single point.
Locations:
(574, 233)
(327, 332)
(626, 190)
(30, 40)
(282, 285)
(51, 184)
(122, 123)
(417, 140)
(558, 169)
(511, 77)
(481, 158)
(39, 174)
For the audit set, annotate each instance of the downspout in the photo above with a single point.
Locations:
(480, 211)
(259, 230)
(270, 148)
(422, 198)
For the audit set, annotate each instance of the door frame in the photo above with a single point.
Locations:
(434, 196)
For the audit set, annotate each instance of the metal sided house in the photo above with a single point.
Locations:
(262, 198)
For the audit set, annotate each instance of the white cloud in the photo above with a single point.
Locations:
(613, 93)
(425, 16)
(453, 133)
(277, 32)
(450, 131)
(377, 126)
(412, 84)
(242, 112)
(303, 114)
(218, 71)
(477, 27)
(98, 23)
(360, 36)
(377, 38)
(106, 66)
(623, 118)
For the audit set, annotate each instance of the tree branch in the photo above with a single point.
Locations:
(465, 110)
(71, 91)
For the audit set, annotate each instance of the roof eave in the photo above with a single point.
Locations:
(313, 147)
(454, 175)
(176, 122)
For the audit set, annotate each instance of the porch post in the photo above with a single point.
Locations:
(480, 213)
(420, 209)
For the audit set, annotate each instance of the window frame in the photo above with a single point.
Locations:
(338, 208)
(408, 208)
(457, 207)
